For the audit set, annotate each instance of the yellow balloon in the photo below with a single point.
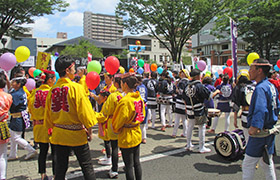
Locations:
(122, 70)
(22, 53)
(251, 57)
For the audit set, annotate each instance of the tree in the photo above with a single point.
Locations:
(172, 22)
(81, 50)
(122, 55)
(258, 24)
(14, 13)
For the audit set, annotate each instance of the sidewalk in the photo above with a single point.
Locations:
(157, 142)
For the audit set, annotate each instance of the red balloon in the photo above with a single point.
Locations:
(112, 65)
(278, 63)
(92, 80)
(31, 70)
(229, 62)
(228, 71)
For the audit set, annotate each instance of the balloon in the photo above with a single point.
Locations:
(224, 67)
(137, 42)
(92, 80)
(251, 57)
(208, 72)
(22, 53)
(153, 67)
(201, 65)
(228, 71)
(30, 84)
(94, 66)
(170, 74)
(140, 70)
(196, 66)
(36, 72)
(7, 61)
(122, 70)
(131, 70)
(217, 74)
(159, 70)
(57, 76)
(229, 62)
(112, 64)
(220, 71)
(276, 68)
(56, 54)
(278, 63)
(141, 62)
(31, 70)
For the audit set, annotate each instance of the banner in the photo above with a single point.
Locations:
(89, 56)
(233, 32)
(42, 60)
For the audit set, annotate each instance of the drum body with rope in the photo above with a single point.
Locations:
(230, 145)
(213, 112)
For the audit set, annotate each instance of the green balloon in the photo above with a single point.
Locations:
(196, 66)
(208, 72)
(36, 72)
(141, 62)
(94, 66)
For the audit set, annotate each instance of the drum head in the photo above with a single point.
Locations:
(225, 146)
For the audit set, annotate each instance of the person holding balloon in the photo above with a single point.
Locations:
(36, 106)
(224, 99)
(6, 102)
(69, 112)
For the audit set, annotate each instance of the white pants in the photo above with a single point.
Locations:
(3, 160)
(165, 108)
(227, 118)
(179, 117)
(16, 140)
(249, 167)
(144, 128)
(201, 134)
(246, 134)
(152, 115)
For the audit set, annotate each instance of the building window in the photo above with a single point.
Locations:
(198, 50)
(224, 46)
(160, 58)
(155, 57)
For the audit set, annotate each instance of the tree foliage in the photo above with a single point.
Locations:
(258, 23)
(170, 21)
(14, 13)
(122, 55)
(81, 50)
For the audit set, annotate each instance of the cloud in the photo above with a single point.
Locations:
(77, 4)
(74, 18)
(42, 24)
(104, 7)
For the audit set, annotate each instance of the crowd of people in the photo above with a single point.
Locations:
(63, 112)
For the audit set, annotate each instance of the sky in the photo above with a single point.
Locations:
(71, 21)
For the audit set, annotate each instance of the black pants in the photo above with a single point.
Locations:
(131, 159)
(83, 155)
(115, 157)
(209, 122)
(44, 147)
(107, 148)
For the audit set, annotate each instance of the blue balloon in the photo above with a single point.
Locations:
(276, 68)
(159, 70)
(217, 74)
(170, 74)
(224, 67)
(140, 70)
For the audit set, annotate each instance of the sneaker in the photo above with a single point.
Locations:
(12, 158)
(211, 131)
(30, 155)
(205, 150)
(189, 147)
(112, 174)
(106, 162)
(163, 129)
(104, 158)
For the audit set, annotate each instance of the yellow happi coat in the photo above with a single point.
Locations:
(111, 88)
(106, 114)
(26, 91)
(36, 106)
(84, 84)
(68, 104)
(130, 111)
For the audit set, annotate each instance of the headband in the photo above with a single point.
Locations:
(260, 64)
(48, 72)
(81, 67)
(18, 78)
(128, 74)
(118, 75)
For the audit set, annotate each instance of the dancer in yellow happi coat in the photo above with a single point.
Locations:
(36, 106)
(70, 114)
(129, 113)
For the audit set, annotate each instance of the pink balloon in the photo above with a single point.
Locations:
(201, 65)
(30, 84)
(8, 61)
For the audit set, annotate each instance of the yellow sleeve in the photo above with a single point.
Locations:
(30, 103)
(120, 117)
(100, 117)
(109, 106)
(47, 115)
